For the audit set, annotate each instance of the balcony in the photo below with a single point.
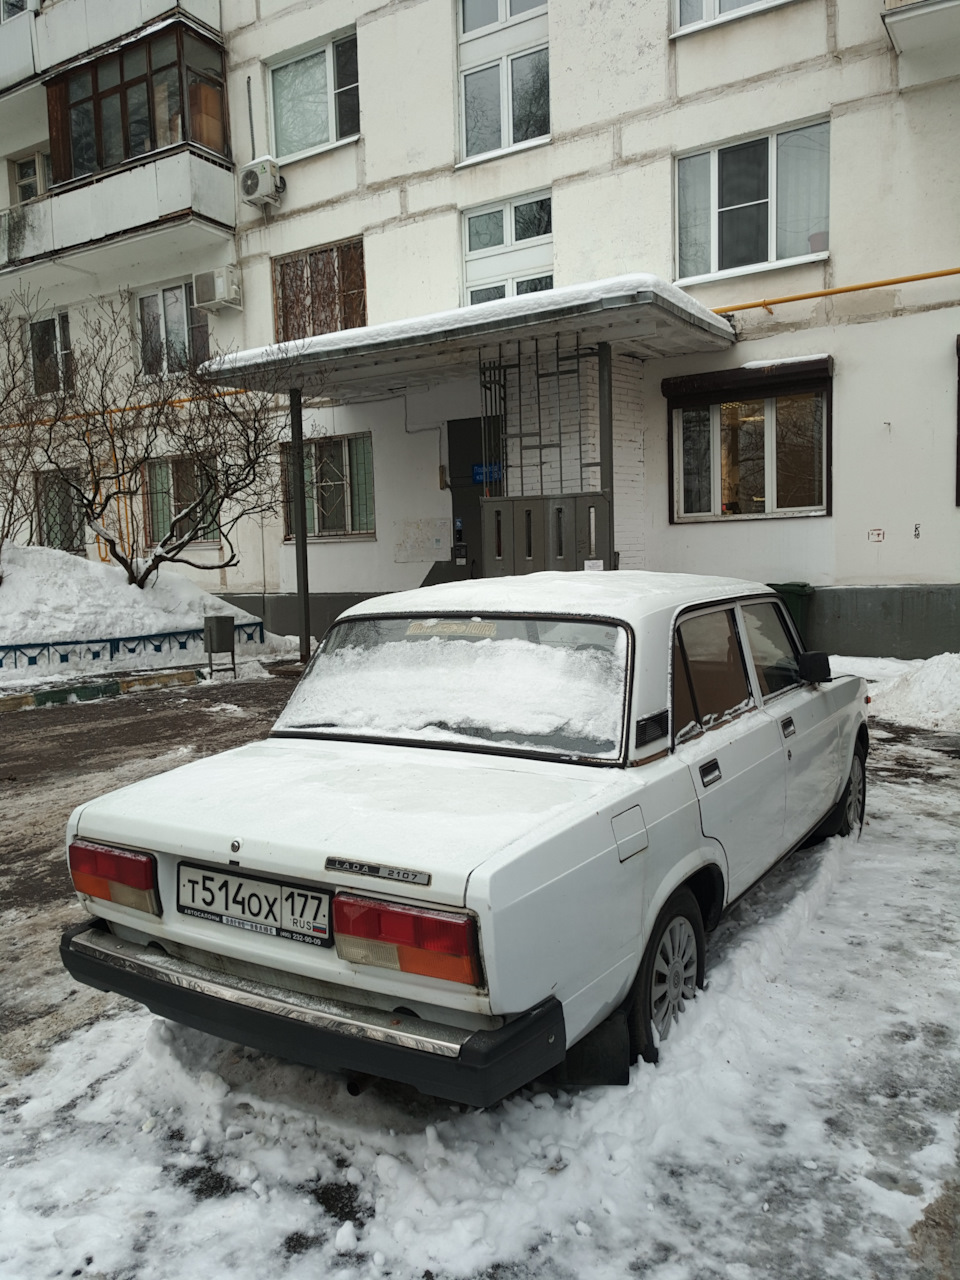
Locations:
(926, 36)
(173, 208)
(16, 50)
(32, 43)
(71, 28)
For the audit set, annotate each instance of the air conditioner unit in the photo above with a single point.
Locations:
(217, 288)
(260, 182)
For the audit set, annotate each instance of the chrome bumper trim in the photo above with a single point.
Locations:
(327, 1015)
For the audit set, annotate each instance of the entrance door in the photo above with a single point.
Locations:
(466, 478)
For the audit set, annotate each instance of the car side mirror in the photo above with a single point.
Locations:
(814, 668)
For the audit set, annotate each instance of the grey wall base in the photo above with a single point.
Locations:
(280, 613)
(909, 621)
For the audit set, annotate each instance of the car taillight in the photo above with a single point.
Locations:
(129, 879)
(436, 944)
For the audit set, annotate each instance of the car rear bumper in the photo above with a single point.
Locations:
(475, 1067)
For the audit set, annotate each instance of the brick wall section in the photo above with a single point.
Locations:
(628, 469)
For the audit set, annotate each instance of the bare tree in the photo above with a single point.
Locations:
(22, 414)
(156, 458)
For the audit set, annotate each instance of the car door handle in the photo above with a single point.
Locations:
(710, 773)
(788, 727)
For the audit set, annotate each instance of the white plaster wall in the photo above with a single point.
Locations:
(409, 446)
(894, 466)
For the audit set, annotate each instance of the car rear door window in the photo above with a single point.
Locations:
(774, 652)
(714, 661)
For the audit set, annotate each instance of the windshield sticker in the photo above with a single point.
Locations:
(453, 627)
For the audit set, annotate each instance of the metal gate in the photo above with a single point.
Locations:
(542, 505)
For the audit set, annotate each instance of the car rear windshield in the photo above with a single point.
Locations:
(540, 685)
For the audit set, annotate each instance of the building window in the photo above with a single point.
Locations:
(50, 354)
(10, 8)
(315, 99)
(690, 11)
(751, 442)
(505, 74)
(338, 478)
(30, 176)
(508, 248)
(181, 485)
(174, 335)
(759, 201)
(59, 510)
(149, 95)
(320, 291)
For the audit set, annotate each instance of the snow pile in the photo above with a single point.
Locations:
(927, 696)
(50, 596)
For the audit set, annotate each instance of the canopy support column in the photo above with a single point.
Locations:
(300, 519)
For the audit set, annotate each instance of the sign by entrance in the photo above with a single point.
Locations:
(488, 473)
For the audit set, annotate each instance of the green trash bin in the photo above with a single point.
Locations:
(796, 596)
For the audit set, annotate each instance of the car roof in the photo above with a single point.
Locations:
(626, 595)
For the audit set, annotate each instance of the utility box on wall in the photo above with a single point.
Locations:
(527, 535)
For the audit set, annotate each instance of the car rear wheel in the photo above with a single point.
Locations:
(670, 973)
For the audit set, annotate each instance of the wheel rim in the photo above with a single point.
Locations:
(854, 813)
(674, 974)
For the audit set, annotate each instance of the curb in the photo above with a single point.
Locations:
(91, 692)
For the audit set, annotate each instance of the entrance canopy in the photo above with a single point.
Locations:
(637, 313)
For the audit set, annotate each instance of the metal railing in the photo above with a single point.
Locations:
(58, 653)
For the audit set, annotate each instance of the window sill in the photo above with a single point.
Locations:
(321, 150)
(504, 151)
(691, 28)
(755, 268)
(710, 518)
(318, 540)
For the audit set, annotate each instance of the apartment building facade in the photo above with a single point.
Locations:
(669, 286)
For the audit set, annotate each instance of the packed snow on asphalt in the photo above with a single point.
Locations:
(802, 1122)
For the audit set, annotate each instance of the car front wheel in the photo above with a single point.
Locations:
(853, 800)
(670, 973)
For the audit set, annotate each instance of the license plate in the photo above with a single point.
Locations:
(257, 905)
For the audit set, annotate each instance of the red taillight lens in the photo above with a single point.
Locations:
(114, 875)
(133, 869)
(437, 944)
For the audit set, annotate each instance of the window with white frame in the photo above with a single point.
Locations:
(180, 497)
(691, 11)
(51, 358)
(315, 98)
(763, 200)
(10, 8)
(30, 176)
(508, 248)
(174, 335)
(504, 73)
(338, 478)
(751, 443)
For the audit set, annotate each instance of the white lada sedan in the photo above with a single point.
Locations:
(485, 837)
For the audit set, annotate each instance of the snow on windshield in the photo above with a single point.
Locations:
(520, 683)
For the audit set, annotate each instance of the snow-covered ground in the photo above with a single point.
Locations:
(802, 1122)
(49, 596)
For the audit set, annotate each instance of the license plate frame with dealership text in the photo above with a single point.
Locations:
(276, 908)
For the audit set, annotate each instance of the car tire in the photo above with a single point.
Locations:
(853, 801)
(670, 972)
